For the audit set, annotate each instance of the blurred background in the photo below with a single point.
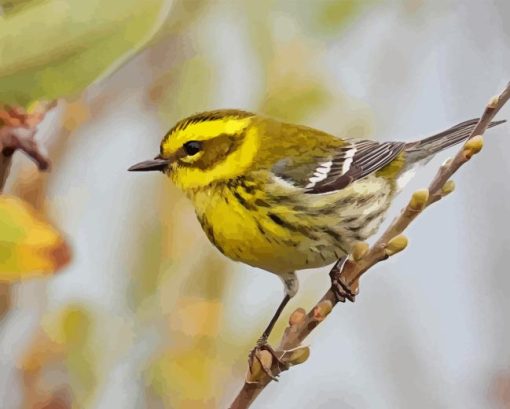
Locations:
(147, 314)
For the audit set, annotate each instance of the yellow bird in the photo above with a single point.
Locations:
(286, 197)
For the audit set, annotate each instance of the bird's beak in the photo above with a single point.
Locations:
(154, 164)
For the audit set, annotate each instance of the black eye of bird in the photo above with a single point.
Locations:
(192, 147)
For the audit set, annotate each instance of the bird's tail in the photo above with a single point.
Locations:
(427, 147)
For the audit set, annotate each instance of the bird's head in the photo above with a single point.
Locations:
(206, 148)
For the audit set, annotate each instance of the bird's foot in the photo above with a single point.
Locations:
(263, 345)
(341, 289)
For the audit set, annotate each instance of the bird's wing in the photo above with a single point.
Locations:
(337, 169)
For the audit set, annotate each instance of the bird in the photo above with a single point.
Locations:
(285, 197)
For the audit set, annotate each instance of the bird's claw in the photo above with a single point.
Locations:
(263, 345)
(340, 288)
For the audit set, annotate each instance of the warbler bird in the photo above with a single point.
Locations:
(286, 197)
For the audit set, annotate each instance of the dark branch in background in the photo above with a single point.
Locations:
(17, 131)
(360, 260)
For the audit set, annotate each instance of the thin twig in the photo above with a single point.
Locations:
(17, 131)
(363, 258)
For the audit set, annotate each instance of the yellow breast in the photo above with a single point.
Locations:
(242, 230)
(279, 231)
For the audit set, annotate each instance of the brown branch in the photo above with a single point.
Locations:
(361, 259)
(17, 131)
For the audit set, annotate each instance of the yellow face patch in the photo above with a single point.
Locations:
(234, 164)
(202, 131)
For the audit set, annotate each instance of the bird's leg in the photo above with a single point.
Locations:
(341, 289)
(262, 343)
(265, 335)
(291, 287)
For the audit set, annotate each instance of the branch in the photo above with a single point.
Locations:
(362, 258)
(17, 131)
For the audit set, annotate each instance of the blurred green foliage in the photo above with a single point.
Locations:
(334, 15)
(76, 325)
(55, 48)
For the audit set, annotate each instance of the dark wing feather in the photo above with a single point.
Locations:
(353, 162)
(336, 168)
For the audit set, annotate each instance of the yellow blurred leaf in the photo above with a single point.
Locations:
(75, 325)
(75, 330)
(188, 374)
(29, 246)
(55, 48)
(333, 15)
(184, 378)
(196, 317)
